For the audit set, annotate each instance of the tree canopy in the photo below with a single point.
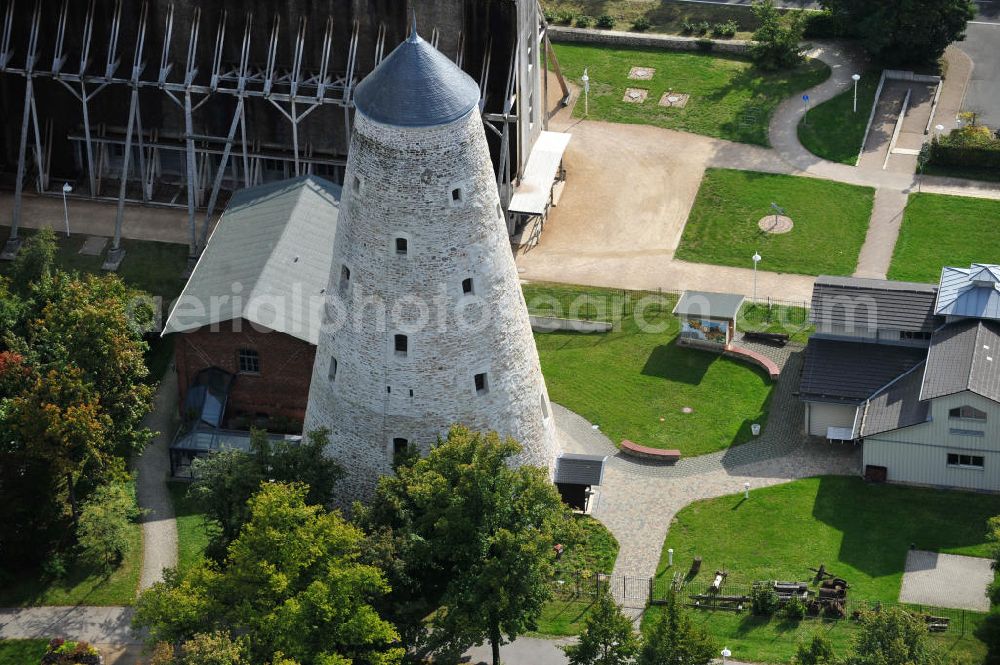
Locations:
(608, 637)
(892, 636)
(675, 640)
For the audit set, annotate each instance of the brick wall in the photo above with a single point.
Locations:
(280, 389)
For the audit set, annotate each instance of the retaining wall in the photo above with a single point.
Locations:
(644, 40)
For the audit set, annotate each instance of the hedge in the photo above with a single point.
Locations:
(973, 147)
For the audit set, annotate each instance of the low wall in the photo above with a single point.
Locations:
(903, 75)
(552, 324)
(644, 40)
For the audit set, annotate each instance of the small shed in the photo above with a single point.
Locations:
(575, 475)
(708, 319)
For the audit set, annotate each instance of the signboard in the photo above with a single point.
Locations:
(705, 330)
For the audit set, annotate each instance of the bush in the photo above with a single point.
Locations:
(103, 528)
(820, 25)
(763, 600)
(564, 17)
(641, 24)
(794, 609)
(703, 28)
(973, 146)
(550, 16)
(66, 652)
(687, 27)
(54, 566)
(605, 21)
(583, 21)
(819, 652)
(726, 30)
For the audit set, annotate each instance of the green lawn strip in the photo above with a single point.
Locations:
(833, 130)
(970, 173)
(860, 531)
(729, 97)
(940, 231)
(634, 384)
(830, 223)
(22, 652)
(773, 318)
(82, 584)
(193, 531)
(154, 267)
(577, 570)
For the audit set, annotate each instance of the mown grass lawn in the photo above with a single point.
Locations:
(22, 652)
(634, 382)
(567, 612)
(830, 223)
(941, 231)
(729, 97)
(193, 530)
(860, 531)
(833, 130)
(154, 267)
(83, 584)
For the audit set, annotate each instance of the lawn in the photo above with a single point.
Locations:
(22, 652)
(860, 531)
(940, 231)
(193, 532)
(830, 223)
(566, 613)
(154, 267)
(82, 584)
(833, 130)
(634, 381)
(729, 97)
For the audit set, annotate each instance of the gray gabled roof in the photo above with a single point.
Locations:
(851, 372)
(895, 406)
(579, 469)
(268, 261)
(709, 305)
(873, 304)
(416, 86)
(964, 356)
(973, 292)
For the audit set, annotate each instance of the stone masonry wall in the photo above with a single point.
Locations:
(644, 40)
(400, 184)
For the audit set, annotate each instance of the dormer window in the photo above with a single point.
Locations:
(967, 413)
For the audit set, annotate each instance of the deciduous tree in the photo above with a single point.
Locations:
(674, 640)
(777, 42)
(608, 637)
(892, 636)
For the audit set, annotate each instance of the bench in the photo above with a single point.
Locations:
(634, 449)
(771, 338)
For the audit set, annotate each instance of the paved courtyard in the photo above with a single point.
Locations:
(946, 580)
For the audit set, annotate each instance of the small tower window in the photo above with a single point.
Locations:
(332, 374)
(467, 287)
(356, 184)
(402, 246)
(401, 345)
(399, 445)
(457, 196)
(499, 211)
(345, 277)
(482, 384)
(249, 361)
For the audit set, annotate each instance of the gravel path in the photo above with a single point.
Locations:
(159, 529)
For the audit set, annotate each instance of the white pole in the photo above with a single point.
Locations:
(586, 92)
(756, 260)
(746, 490)
(66, 189)
(670, 556)
(856, 77)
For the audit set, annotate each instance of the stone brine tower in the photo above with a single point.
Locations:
(426, 325)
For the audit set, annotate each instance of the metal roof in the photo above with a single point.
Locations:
(873, 304)
(972, 292)
(851, 372)
(895, 406)
(532, 194)
(416, 86)
(578, 469)
(709, 305)
(964, 356)
(268, 261)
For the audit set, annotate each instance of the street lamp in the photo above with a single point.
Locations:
(756, 260)
(725, 653)
(67, 188)
(746, 490)
(856, 78)
(586, 92)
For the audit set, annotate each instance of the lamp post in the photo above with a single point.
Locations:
(756, 260)
(725, 653)
(66, 189)
(586, 92)
(746, 490)
(856, 78)
(940, 128)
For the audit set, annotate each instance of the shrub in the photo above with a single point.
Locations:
(763, 600)
(970, 146)
(703, 28)
(726, 30)
(103, 528)
(550, 16)
(583, 21)
(66, 652)
(819, 652)
(687, 27)
(605, 21)
(820, 25)
(641, 24)
(794, 609)
(564, 17)
(54, 566)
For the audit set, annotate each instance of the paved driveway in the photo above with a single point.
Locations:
(982, 43)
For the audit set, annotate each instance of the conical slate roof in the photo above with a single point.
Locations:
(416, 86)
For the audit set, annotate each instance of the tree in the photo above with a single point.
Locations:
(903, 31)
(776, 43)
(35, 262)
(674, 640)
(473, 538)
(818, 652)
(607, 638)
(892, 636)
(226, 480)
(291, 584)
(217, 648)
(103, 527)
